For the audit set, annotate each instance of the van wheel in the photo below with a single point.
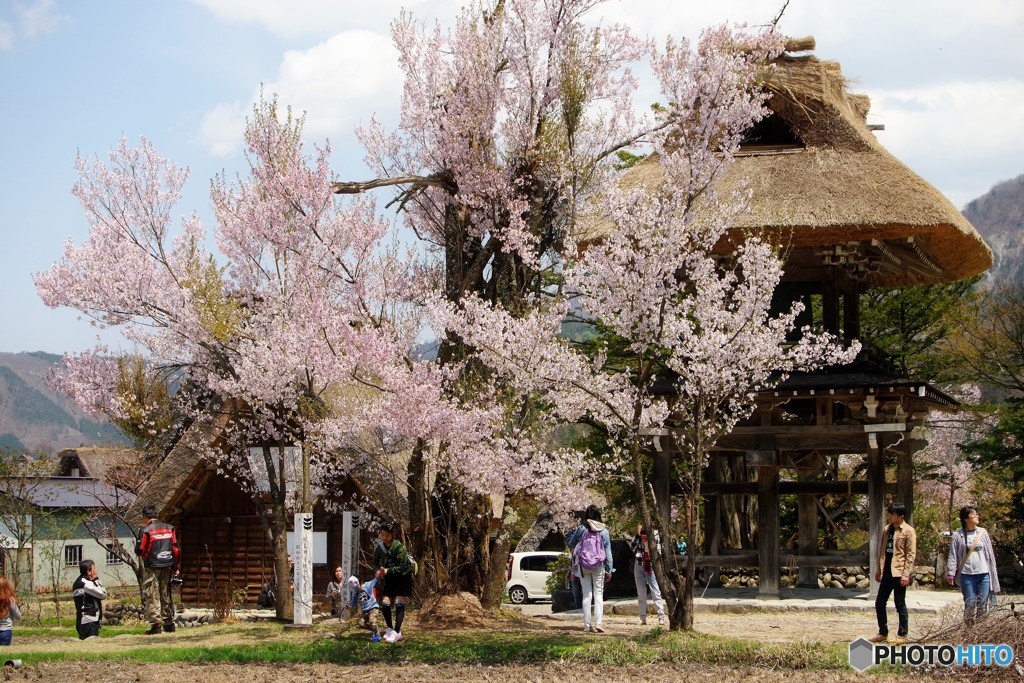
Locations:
(517, 595)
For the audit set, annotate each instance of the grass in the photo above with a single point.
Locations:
(488, 648)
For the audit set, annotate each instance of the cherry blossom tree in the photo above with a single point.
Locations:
(508, 122)
(945, 469)
(692, 314)
(300, 325)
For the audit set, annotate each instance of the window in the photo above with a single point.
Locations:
(536, 563)
(112, 556)
(72, 555)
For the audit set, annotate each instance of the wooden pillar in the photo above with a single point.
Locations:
(768, 530)
(713, 523)
(905, 476)
(807, 538)
(830, 301)
(851, 314)
(876, 501)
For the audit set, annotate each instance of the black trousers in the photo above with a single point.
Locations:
(891, 586)
(86, 630)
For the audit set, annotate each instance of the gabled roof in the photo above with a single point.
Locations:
(92, 461)
(183, 476)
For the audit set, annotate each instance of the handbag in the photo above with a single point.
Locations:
(967, 555)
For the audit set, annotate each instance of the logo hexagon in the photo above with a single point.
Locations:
(862, 654)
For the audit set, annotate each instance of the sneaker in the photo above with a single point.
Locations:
(399, 637)
(598, 629)
(898, 640)
(374, 638)
(169, 628)
(661, 622)
(586, 628)
(153, 630)
(643, 622)
(878, 639)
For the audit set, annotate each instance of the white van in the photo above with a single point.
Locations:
(526, 576)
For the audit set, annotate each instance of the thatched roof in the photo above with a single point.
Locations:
(92, 462)
(822, 178)
(181, 467)
(186, 472)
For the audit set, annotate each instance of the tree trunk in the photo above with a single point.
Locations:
(494, 586)
(279, 539)
(666, 572)
(421, 525)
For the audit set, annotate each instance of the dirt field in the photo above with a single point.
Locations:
(321, 673)
(764, 627)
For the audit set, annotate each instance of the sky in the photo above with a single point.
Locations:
(945, 78)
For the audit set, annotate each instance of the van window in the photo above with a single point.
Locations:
(536, 563)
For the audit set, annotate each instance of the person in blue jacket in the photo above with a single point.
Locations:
(364, 602)
(591, 547)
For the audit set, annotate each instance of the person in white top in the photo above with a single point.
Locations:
(972, 565)
(89, 595)
(9, 612)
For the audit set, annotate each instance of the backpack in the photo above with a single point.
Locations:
(590, 550)
(413, 564)
(266, 598)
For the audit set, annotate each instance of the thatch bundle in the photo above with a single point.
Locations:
(1005, 624)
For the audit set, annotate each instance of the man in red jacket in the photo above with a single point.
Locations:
(158, 549)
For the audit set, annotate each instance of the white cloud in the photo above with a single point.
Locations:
(28, 21)
(339, 83)
(40, 18)
(318, 18)
(221, 128)
(961, 137)
(6, 36)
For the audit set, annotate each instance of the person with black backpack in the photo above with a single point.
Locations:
(157, 548)
(591, 547)
(391, 561)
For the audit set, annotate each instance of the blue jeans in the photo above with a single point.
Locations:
(5, 637)
(975, 588)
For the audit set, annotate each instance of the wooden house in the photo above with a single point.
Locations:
(222, 540)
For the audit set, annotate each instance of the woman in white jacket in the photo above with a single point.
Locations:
(972, 565)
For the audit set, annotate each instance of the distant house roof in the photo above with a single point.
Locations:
(75, 492)
(92, 462)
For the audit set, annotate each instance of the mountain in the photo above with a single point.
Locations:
(999, 217)
(34, 417)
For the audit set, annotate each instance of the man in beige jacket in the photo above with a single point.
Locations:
(897, 551)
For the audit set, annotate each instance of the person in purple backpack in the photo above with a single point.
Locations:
(592, 561)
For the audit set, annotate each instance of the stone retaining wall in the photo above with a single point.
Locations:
(118, 613)
(1010, 578)
(854, 578)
